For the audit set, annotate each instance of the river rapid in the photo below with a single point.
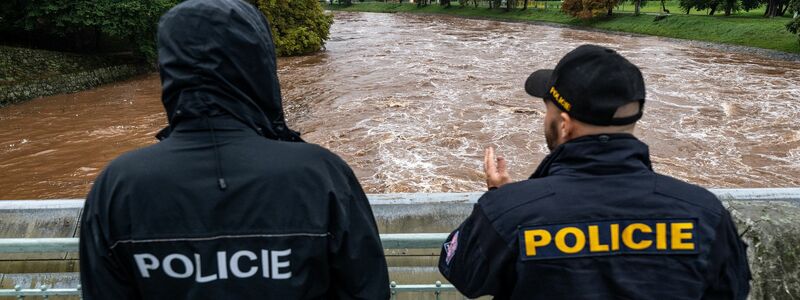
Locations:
(410, 101)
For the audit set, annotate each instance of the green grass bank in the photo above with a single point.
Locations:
(745, 28)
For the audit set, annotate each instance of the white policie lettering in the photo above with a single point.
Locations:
(274, 264)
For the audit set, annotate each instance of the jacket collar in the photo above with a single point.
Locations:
(604, 154)
(221, 125)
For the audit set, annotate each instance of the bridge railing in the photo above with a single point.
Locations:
(50, 245)
(390, 241)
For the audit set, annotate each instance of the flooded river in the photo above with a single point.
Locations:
(410, 102)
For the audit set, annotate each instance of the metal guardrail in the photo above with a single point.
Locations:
(750, 194)
(46, 292)
(390, 241)
(50, 245)
(43, 291)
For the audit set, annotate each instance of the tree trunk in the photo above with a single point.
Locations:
(525, 5)
(638, 8)
(771, 10)
(713, 10)
(663, 6)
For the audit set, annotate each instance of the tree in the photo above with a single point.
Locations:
(664, 6)
(794, 25)
(712, 5)
(133, 21)
(638, 6)
(775, 8)
(749, 5)
(586, 9)
(298, 26)
(730, 6)
(510, 4)
(609, 6)
(688, 5)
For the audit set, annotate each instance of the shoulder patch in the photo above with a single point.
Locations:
(450, 248)
(613, 237)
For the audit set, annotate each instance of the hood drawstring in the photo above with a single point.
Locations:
(217, 157)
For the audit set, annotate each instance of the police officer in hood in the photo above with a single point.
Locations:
(594, 221)
(230, 204)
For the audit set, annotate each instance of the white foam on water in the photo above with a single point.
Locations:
(411, 101)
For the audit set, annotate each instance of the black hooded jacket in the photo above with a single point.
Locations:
(595, 222)
(230, 204)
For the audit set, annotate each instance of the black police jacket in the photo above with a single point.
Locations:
(595, 222)
(231, 204)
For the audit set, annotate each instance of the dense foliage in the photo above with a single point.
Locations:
(794, 25)
(299, 26)
(132, 21)
(586, 9)
(773, 7)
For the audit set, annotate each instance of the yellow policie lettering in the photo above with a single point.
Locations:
(661, 236)
(614, 237)
(594, 240)
(536, 238)
(667, 237)
(627, 236)
(561, 240)
(679, 236)
(566, 105)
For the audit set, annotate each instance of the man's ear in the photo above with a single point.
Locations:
(567, 127)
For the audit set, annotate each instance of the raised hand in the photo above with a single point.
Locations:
(495, 169)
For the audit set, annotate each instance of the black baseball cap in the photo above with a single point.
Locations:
(589, 84)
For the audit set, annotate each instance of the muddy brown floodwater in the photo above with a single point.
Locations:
(410, 102)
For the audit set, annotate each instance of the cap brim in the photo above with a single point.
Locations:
(537, 83)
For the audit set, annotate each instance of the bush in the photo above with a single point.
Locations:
(298, 26)
(133, 21)
(586, 9)
(794, 25)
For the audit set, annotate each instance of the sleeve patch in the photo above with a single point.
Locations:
(616, 237)
(450, 248)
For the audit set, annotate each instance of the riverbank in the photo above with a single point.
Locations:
(30, 73)
(744, 30)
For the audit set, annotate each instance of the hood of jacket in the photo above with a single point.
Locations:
(217, 57)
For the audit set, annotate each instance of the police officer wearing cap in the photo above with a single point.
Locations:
(594, 221)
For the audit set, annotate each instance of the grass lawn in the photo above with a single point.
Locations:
(744, 28)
